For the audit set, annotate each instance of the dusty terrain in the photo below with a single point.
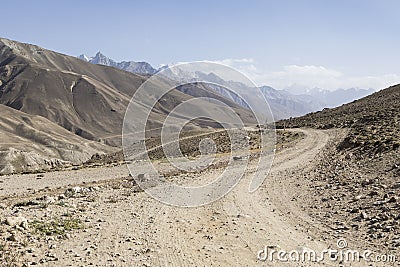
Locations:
(98, 216)
(356, 186)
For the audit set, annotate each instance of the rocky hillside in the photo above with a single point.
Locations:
(81, 102)
(374, 121)
(31, 142)
(355, 188)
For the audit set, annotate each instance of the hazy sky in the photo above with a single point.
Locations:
(329, 44)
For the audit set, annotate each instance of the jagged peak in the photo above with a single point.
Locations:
(99, 54)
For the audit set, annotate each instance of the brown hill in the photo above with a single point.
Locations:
(374, 121)
(356, 184)
(31, 142)
(87, 100)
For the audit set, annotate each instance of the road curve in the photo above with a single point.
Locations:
(232, 230)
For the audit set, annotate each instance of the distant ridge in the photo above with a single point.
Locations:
(131, 66)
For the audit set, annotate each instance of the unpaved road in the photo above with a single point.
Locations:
(231, 231)
(126, 228)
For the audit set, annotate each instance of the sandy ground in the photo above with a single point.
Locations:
(126, 227)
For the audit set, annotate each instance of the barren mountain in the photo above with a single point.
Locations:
(283, 104)
(87, 100)
(356, 185)
(33, 142)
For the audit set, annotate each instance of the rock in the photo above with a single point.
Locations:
(25, 225)
(16, 221)
(239, 158)
(48, 200)
(51, 255)
(141, 177)
(77, 189)
(73, 191)
(12, 238)
(364, 215)
(373, 193)
(396, 186)
(379, 202)
(358, 197)
(366, 182)
(355, 210)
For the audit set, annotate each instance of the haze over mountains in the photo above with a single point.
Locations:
(291, 102)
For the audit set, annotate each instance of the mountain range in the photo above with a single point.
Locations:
(290, 102)
(131, 66)
(59, 109)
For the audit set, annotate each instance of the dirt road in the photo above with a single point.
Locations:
(231, 231)
(128, 228)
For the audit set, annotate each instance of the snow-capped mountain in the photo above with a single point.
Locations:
(131, 66)
(84, 58)
(284, 103)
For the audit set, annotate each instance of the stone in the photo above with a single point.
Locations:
(48, 199)
(72, 191)
(12, 238)
(16, 221)
(364, 215)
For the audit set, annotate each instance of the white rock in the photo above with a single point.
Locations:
(77, 189)
(48, 199)
(16, 221)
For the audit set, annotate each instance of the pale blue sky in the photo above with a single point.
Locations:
(337, 43)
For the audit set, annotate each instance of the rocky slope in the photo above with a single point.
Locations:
(356, 185)
(373, 121)
(87, 100)
(31, 142)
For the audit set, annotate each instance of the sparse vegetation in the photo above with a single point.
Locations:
(62, 204)
(56, 226)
